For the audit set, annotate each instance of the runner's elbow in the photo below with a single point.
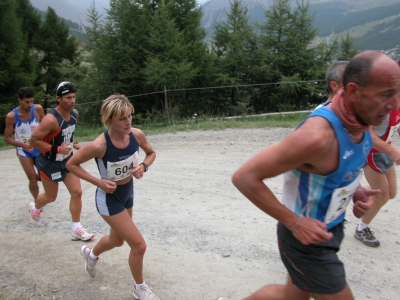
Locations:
(238, 179)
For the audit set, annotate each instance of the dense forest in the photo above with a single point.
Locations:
(162, 62)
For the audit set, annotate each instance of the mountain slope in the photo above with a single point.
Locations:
(74, 10)
(372, 23)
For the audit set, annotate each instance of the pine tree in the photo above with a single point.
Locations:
(55, 47)
(160, 49)
(30, 20)
(287, 36)
(187, 18)
(348, 47)
(13, 52)
(167, 63)
(233, 45)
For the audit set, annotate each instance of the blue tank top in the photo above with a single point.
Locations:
(312, 195)
(114, 154)
(23, 130)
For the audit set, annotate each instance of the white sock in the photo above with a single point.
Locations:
(139, 286)
(76, 225)
(92, 256)
(36, 209)
(362, 226)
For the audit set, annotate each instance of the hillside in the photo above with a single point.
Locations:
(74, 10)
(75, 29)
(374, 24)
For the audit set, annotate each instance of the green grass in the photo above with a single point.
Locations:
(287, 120)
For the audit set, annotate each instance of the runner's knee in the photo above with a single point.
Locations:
(50, 199)
(76, 194)
(138, 248)
(33, 178)
(382, 198)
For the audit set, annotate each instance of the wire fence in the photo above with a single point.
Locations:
(205, 88)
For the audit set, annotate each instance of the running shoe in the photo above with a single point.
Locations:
(80, 234)
(34, 215)
(367, 237)
(144, 293)
(90, 264)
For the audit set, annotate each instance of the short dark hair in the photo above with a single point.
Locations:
(335, 72)
(25, 92)
(359, 68)
(64, 88)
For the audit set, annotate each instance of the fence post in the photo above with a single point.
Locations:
(166, 103)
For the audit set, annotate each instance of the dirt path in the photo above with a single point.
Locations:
(204, 238)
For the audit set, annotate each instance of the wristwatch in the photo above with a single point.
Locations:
(146, 166)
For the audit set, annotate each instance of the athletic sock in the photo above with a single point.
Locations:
(36, 209)
(362, 226)
(139, 286)
(76, 225)
(92, 256)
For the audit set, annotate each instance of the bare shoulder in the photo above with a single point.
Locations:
(38, 107)
(10, 115)
(10, 118)
(95, 148)
(49, 118)
(139, 135)
(49, 123)
(316, 133)
(100, 141)
(315, 145)
(137, 131)
(39, 112)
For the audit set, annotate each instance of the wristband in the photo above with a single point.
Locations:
(59, 149)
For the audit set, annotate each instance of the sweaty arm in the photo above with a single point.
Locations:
(310, 148)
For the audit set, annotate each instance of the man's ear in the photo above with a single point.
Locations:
(353, 90)
(333, 85)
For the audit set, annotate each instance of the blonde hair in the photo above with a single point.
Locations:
(114, 107)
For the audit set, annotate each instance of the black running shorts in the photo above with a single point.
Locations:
(119, 200)
(51, 169)
(313, 268)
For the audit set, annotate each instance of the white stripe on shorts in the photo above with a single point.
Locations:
(101, 202)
